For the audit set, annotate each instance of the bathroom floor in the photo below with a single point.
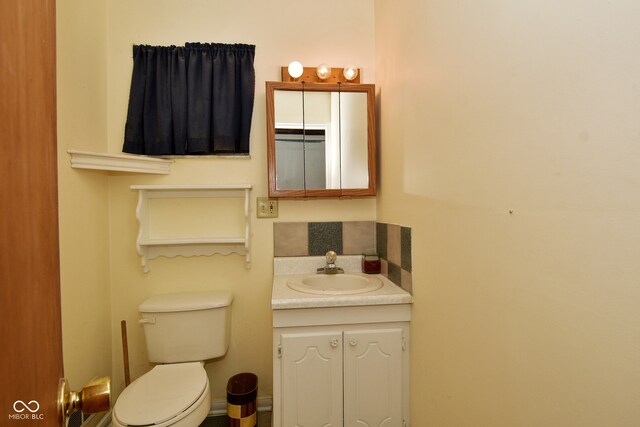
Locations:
(264, 420)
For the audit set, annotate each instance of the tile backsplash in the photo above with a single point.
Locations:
(391, 242)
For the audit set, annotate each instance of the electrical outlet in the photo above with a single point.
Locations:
(266, 207)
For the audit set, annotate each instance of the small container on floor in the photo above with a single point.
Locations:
(242, 391)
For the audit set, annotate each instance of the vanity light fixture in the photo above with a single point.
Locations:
(350, 72)
(295, 69)
(295, 72)
(323, 71)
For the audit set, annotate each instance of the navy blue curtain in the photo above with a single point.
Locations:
(192, 99)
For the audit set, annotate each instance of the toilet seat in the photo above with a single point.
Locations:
(164, 396)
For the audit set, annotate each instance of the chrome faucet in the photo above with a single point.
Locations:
(330, 266)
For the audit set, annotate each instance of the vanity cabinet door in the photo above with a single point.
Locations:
(312, 379)
(373, 377)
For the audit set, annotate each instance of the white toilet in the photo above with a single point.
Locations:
(182, 331)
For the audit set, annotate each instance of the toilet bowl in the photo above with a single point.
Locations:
(182, 330)
(168, 395)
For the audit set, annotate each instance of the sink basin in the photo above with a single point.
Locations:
(335, 284)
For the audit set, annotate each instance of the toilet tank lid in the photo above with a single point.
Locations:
(186, 301)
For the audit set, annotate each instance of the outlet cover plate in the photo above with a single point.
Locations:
(266, 207)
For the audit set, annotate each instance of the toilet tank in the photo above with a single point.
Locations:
(186, 327)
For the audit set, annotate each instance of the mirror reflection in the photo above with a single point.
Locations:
(301, 159)
(307, 147)
(322, 140)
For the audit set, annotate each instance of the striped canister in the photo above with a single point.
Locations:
(242, 391)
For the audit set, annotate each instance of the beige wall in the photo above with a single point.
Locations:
(281, 30)
(102, 282)
(527, 318)
(83, 196)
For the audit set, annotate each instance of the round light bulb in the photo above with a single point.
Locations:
(323, 71)
(295, 69)
(350, 72)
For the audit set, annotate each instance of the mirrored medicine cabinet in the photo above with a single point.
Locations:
(321, 139)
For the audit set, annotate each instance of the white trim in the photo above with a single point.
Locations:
(192, 187)
(219, 407)
(105, 421)
(119, 162)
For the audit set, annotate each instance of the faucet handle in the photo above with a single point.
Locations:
(331, 257)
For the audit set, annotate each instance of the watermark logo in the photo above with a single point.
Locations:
(26, 411)
(20, 406)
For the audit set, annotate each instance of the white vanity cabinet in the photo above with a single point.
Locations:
(341, 366)
(311, 375)
(373, 377)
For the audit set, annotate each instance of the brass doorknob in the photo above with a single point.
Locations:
(94, 397)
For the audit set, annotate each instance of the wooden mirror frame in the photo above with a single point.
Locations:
(369, 89)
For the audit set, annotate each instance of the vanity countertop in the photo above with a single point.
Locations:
(296, 268)
(283, 297)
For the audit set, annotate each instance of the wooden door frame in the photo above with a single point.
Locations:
(31, 362)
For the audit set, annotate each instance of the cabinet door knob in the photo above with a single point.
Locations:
(353, 342)
(334, 342)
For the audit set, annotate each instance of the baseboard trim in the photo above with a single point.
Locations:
(219, 407)
(98, 420)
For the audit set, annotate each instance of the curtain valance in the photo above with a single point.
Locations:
(192, 99)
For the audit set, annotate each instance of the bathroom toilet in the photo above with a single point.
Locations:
(182, 331)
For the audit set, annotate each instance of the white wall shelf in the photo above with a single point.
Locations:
(110, 162)
(150, 245)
